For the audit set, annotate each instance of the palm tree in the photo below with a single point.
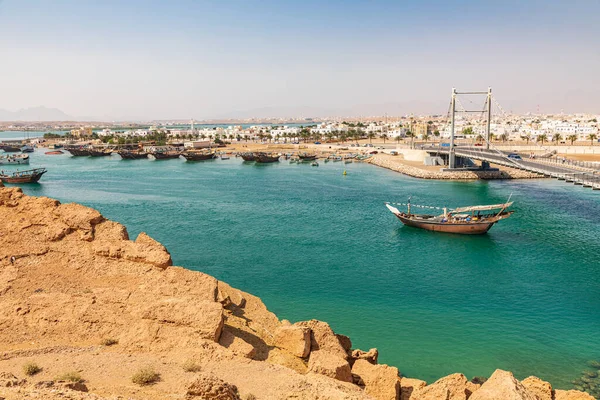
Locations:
(592, 137)
(479, 138)
(526, 137)
(556, 137)
(572, 138)
(398, 138)
(371, 135)
(411, 136)
(542, 138)
(425, 136)
(384, 137)
(504, 137)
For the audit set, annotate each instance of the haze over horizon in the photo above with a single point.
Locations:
(208, 60)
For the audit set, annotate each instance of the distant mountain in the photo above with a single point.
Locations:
(35, 114)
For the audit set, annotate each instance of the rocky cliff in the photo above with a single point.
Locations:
(87, 313)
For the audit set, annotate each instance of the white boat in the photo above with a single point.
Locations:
(27, 149)
(18, 159)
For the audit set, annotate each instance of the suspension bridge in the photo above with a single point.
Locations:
(584, 174)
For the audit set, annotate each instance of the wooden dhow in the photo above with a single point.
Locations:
(29, 176)
(132, 154)
(471, 220)
(264, 158)
(17, 159)
(198, 155)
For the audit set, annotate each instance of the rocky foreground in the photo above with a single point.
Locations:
(86, 313)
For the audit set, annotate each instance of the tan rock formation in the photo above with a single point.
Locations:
(571, 395)
(293, 338)
(371, 355)
(209, 387)
(408, 386)
(380, 381)
(329, 364)
(323, 338)
(502, 385)
(451, 387)
(541, 389)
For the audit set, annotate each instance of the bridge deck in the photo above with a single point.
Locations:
(568, 173)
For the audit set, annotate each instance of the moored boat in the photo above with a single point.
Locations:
(248, 156)
(52, 153)
(29, 176)
(307, 157)
(9, 148)
(264, 158)
(132, 154)
(100, 153)
(27, 149)
(198, 155)
(18, 159)
(165, 155)
(78, 151)
(472, 220)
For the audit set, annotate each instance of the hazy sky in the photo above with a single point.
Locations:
(209, 59)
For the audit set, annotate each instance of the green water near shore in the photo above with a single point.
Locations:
(313, 243)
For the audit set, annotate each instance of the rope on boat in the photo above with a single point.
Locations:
(416, 205)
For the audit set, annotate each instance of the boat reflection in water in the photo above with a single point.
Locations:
(472, 220)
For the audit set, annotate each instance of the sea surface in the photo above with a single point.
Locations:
(313, 243)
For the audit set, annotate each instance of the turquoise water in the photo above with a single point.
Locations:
(313, 243)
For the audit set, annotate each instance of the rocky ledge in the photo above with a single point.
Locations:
(87, 313)
(395, 164)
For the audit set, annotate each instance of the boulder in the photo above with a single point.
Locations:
(205, 317)
(323, 338)
(209, 387)
(571, 395)
(238, 345)
(541, 389)
(451, 387)
(150, 251)
(9, 380)
(379, 381)
(293, 338)
(331, 365)
(502, 385)
(371, 355)
(77, 386)
(410, 385)
(345, 342)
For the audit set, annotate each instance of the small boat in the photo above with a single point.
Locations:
(27, 149)
(248, 156)
(132, 154)
(100, 153)
(77, 151)
(472, 220)
(198, 155)
(18, 159)
(9, 148)
(314, 164)
(224, 157)
(29, 176)
(265, 158)
(347, 161)
(165, 155)
(307, 157)
(52, 153)
(55, 146)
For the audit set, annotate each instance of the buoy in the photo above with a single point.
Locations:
(345, 172)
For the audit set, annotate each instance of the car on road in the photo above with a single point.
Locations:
(317, 142)
(514, 156)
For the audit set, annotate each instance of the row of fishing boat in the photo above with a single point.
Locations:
(137, 154)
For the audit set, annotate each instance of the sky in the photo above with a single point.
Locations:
(181, 59)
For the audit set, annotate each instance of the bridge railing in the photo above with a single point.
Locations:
(572, 163)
